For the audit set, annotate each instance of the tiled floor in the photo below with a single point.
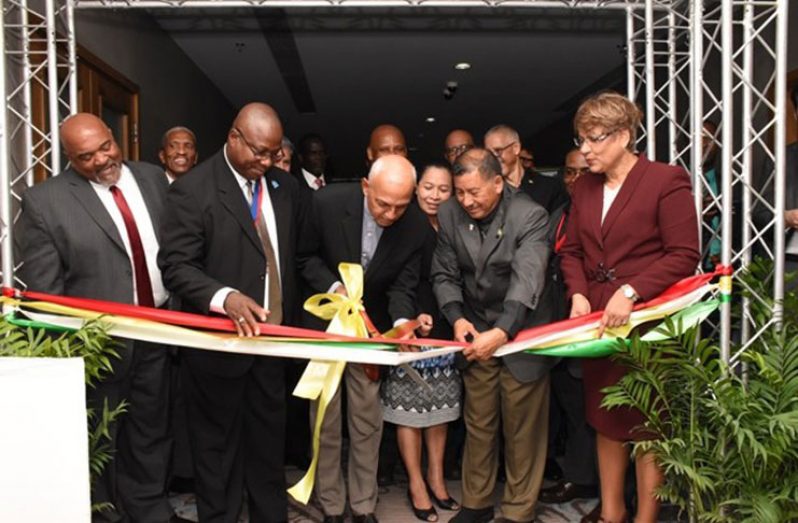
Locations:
(393, 506)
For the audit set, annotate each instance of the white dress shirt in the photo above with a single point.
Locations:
(311, 178)
(130, 190)
(217, 302)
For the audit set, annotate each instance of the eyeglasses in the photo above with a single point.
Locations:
(576, 171)
(264, 154)
(526, 158)
(497, 152)
(457, 150)
(593, 140)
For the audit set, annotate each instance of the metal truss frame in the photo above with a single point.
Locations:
(672, 46)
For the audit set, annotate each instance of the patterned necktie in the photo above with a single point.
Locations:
(319, 182)
(275, 296)
(143, 284)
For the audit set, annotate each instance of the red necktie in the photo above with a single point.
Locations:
(319, 182)
(143, 285)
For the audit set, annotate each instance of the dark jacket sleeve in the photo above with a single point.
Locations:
(310, 264)
(182, 250)
(41, 268)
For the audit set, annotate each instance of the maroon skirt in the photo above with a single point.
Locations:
(620, 423)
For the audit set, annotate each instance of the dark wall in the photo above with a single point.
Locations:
(173, 90)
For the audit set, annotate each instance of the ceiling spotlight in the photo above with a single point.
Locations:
(462, 66)
(430, 119)
(449, 90)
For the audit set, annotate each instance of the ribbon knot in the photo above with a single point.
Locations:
(343, 312)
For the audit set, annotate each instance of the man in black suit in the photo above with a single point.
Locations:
(92, 232)
(312, 156)
(230, 235)
(505, 143)
(372, 224)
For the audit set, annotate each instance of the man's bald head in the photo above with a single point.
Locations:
(254, 142)
(386, 139)
(389, 188)
(457, 142)
(91, 149)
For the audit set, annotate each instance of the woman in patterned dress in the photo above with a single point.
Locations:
(422, 413)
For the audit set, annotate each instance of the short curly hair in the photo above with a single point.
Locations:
(610, 110)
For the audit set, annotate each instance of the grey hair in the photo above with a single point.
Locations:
(504, 129)
(165, 137)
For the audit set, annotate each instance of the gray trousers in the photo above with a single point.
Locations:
(364, 421)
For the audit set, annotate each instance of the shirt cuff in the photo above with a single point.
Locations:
(453, 311)
(400, 321)
(512, 318)
(217, 302)
(331, 290)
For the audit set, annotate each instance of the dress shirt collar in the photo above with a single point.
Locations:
(311, 178)
(124, 181)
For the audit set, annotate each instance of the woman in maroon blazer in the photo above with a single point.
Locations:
(632, 232)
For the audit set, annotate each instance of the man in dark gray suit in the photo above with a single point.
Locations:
(92, 232)
(488, 275)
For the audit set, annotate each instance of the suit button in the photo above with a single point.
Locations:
(262, 277)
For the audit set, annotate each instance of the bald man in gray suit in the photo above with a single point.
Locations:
(92, 232)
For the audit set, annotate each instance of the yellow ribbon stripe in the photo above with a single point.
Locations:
(322, 378)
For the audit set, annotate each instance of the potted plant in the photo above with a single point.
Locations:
(726, 436)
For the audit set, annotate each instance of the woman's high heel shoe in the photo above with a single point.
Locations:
(446, 504)
(424, 514)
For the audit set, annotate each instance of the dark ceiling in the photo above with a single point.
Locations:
(340, 72)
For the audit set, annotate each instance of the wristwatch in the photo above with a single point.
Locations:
(629, 292)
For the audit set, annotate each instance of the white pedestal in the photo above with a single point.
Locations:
(44, 446)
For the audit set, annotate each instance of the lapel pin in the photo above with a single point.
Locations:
(470, 226)
(500, 233)
(275, 184)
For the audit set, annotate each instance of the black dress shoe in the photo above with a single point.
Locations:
(365, 518)
(424, 514)
(333, 519)
(566, 491)
(552, 472)
(473, 515)
(446, 504)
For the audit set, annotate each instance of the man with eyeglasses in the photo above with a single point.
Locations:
(505, 144)
(579, 466)
(229, 245)
(457, 142)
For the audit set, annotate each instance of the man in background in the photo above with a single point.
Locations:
(312, 155)
(457, 142)
(503, 141)
(178, 152)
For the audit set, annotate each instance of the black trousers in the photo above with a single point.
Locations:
(580, 446)
(237, 435)
(134, 481)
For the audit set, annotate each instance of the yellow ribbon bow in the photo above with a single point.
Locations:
(322, 378)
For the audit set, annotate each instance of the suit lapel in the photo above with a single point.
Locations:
(282, 213)
(493, 237)
(388, 239)
(352, 226)
(469, 232)
(84, 193)
(624, 195)
(151, 199)
(233, 200)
